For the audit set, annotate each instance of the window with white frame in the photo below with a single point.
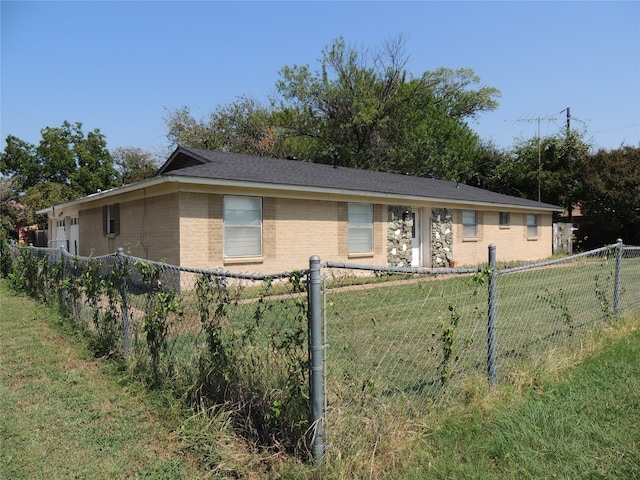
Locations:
(360, 220)
(532, 225)
(111, 219)
(505, 219)
(242, 226)
(469, 224)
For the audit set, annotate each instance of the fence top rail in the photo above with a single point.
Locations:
(216, 272)
(555, 261)
(410, 270)
(221, 272)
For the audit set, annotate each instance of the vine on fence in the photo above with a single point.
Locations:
(603, 298)
(25, 274)
(70, 293)
(5, 259)
(163, 309)
(102, 296)
(448, 340)
(558, 302)
(253, 364)
(601, 290)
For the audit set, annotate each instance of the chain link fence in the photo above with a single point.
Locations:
(318, 358)
(400, 342)
(216, 338)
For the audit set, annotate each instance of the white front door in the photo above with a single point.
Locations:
(421, 238)
(416, 257)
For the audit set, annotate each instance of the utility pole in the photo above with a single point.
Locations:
(538, 120)
(568, 110)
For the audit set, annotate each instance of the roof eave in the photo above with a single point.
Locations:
(106, 194)
(357, 193)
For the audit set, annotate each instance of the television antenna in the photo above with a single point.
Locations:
(539, 120)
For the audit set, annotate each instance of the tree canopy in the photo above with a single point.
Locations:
(546, 169)
(133, 164)
(362, 109)
(66, 164)
(64, 156)
(610, 191)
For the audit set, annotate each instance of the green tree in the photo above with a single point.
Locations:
(548, 169)
(134, 164)
(367, 110)
(427, 141)
(66, 164)
(65, 156)
(243, 126)
(362, 108)
(70, 158)
(11, 211)
(42, 196)
(610, 191)
(490, 171)
(19, 161)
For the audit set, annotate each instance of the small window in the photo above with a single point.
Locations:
(505, 219)
(242, 226)
(111, 214)
(360, 220)
(532, 225)
(469, 224)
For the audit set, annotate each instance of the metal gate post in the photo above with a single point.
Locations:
(316, 347)
(126, 339)
(618, 277)
(491, 320)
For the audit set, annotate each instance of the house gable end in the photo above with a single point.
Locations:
(182, 158)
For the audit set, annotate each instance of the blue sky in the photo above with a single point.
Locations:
(118, 66)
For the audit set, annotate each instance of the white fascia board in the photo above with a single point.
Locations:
(407, 199)
(106, 194)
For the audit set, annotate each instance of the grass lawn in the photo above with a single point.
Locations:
(62, 416)
(585, 426)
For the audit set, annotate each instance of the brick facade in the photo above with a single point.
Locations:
(186, 228)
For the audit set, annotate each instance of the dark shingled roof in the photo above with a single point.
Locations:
(196, 163)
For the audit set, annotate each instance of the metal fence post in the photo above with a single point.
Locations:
(491, 317)
(316, 348)
(618, 277)
(62, 295)
(126, 342)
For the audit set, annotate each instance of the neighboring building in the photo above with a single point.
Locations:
(207, 209)
(30, 235)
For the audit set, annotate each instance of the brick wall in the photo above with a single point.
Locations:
(511, 242)
(149, 228)
(186, 228)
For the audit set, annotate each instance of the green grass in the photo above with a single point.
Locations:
(62, 416)
(586, 426)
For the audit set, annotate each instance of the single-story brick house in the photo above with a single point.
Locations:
(208, 209)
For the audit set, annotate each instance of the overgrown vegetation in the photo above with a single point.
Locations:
(558, 302)
(257, 367)
(537, 426)
(252, 363)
